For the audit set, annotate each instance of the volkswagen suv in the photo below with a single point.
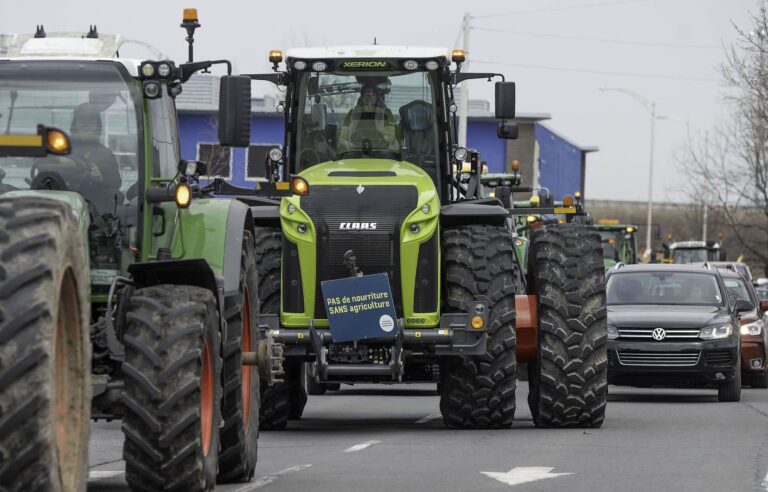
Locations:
(673, 325)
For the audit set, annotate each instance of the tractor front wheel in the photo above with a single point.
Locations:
(568, 381)
(44, 348)
(172, 389)
(479, 391)
(281, 401)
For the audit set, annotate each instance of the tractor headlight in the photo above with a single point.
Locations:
(754, 328)
(425, 208)
(164, 70)
(410, 64)
(183, 195)
(299, 65)
(715, 332)
(460, 154)
(275, 154)
(319, 66)
(152, 89)
(147, 70)
(431, 65)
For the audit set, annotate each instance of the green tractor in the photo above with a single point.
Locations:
(381, 189)
(124, 292)
(619, 243)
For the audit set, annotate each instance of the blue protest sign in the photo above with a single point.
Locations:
(360, 308)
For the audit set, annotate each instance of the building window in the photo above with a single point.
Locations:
(255, 158)
(219, 160)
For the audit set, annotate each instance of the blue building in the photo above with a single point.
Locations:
(546, 158)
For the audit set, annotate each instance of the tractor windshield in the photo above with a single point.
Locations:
(366, 115)
(691, 255)
(97, 104)
(618, 245)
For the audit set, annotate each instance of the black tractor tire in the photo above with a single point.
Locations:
(730, 391)
(313, 387)
(759, 381)
(172, 391)
(479, 391)
(568, 382)
(45, 348)
(240, 405)
(281, 401)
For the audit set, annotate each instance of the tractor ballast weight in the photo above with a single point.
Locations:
(480, 281)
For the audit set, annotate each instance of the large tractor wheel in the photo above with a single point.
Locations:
(479, 391)
(44, 348)
(240, 405)
(282, 401)
(172, 389)
(568, 381)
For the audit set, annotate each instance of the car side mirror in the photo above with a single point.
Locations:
(505, 100)
(507, 131)
(742, 306)
(235, 111)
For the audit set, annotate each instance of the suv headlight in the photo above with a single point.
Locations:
(613, 333)
(715, 332)
(754, 328)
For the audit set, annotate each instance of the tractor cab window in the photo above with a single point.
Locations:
(366, 115)
(97, 104)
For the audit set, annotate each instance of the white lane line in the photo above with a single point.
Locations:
(431, 416)
(268, 479)
(765, 482)
(98, 474)
(361, 446)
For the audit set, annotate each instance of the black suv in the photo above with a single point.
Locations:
(673, 325)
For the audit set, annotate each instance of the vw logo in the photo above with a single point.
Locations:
(360, 189)
(659, 334)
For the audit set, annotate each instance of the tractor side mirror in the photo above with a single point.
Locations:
(235, 111)
(505, 100)
(507, 131)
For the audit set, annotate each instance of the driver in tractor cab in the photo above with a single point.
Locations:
(102, 180)
(369, 128)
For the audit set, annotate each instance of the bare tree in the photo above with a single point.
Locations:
(728, 169)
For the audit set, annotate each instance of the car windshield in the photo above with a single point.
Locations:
(366, 115)
(737, 289)
(97, 104)
(674, 288)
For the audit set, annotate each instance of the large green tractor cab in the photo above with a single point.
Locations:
(619, 243)
(379, 189)
(125, 293)
(693, 252)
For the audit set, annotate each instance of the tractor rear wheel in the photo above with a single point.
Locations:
(172, 389)
(240, 404)
(568, 381)
(479, 391)
(45, 348)
(281, 401)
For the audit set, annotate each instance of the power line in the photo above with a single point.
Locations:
(557, 9)
(602, 72)
(601, 40)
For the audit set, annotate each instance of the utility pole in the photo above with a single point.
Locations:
(650, 182)
(464, 99)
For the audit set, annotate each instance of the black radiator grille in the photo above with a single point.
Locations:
(718, 357)
(364, 219)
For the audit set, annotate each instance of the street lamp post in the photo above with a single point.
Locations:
(650, 106)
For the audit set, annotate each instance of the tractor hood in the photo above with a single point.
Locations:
(372, 172)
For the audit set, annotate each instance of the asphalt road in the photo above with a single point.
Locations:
(371, 438)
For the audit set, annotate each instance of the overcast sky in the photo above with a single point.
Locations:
(560, 53)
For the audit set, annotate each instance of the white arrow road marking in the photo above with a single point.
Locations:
(268, 479)
(361, 446)
(97, 474)
(524, 474)
(765, 482)
(431, 416)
